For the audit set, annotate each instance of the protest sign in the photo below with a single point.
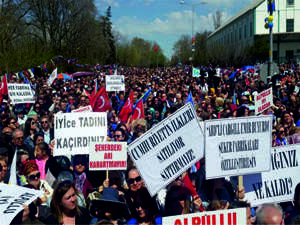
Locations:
(220, 217)
(168, 149)
(263, 101)
(115, 83)
(277, 185)
(83, 109)
(108, 156)
(196, 72)
(52, 77)
(75, 131)
(12, 200)
(20, 93)
(237, 146)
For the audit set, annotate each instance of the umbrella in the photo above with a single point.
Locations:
(64, 76)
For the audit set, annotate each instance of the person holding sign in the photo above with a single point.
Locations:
(64, 206)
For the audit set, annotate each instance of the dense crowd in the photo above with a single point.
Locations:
(75, 195)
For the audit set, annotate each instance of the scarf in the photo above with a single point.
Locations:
(80, 178)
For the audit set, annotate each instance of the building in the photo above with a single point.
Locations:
(242, 30)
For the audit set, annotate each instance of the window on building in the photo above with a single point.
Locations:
(290, 25)
(290, 3)
(289, 54)
(251, 29)
(275, 55)
(240, 33)
(245, 31)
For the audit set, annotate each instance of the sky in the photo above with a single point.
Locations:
(165, 21)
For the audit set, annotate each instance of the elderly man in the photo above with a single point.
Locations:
(269, 214)
(18, 142)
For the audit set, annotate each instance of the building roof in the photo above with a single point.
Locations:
(251, 6)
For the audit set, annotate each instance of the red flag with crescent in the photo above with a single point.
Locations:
(3, 88)
(138, 112)
(100, 102)
(127, 108)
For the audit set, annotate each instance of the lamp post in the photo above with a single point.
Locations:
(193, 5)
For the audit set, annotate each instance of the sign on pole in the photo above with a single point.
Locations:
(12, 200)
(263, 101)
(75, 131)
(168, 149)
(108, 156)
(52, 77)
(115, 83)
(219, 217)
(20, 93)
(83, 109)
(196, 72)
(237, 146)
(277, 185)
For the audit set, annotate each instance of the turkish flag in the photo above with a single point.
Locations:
(138, 112)
(3, 87)
(127, 108)
(101, 102)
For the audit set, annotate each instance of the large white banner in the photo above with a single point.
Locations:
(279, 184)
(75, 131)
(168, 149)
(263, 101)
(12, 200)
(237, 146)
(108, 156)
(115, 83)
(20, 93)
(219, 217)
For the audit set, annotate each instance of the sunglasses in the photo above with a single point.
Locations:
(20, 138)
(137, 179)
(117, 136)
(34, 176)
(33, 123)
(14, 122)
(44, 122)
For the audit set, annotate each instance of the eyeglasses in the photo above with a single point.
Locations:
(131, 180)
(44, 122)
(33, 123)
(20, 138)
(117, 136)
(14, 122)
(34, 176)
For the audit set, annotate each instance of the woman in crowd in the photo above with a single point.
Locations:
(64, 206)
(30, 130)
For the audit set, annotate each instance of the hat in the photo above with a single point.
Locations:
(65, 175)
(109, 202)
(31, 113)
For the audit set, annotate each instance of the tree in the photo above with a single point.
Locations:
(183, 49)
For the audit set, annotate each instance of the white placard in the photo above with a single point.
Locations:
(52, 77)
(237, 146)
(168, 149)
(75, 131)
(12, 200)
(263, 101)
(279, 184)
(83, 109)
(115, 83)
(108, 156)
(20, 93)
(219, 217)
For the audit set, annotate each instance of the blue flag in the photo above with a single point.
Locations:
(190, 99)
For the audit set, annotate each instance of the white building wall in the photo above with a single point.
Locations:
(282, 13)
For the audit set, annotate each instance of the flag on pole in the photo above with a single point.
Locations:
(127, 108)
(52, 77)
(13, 170)
(190, 99)
(101, 102)
(138, 112)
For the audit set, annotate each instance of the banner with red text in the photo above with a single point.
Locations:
(220, 217)
(263, 101)
(108, 156)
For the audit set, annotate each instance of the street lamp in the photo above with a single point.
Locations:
(193, 5)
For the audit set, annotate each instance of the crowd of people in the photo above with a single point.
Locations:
(74, 195)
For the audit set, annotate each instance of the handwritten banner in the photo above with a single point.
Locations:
(263, 101)
(115, 83)
(237, 146)
(20, 93)
(168, 149)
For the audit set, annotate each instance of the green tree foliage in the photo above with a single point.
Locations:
(140, 53)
